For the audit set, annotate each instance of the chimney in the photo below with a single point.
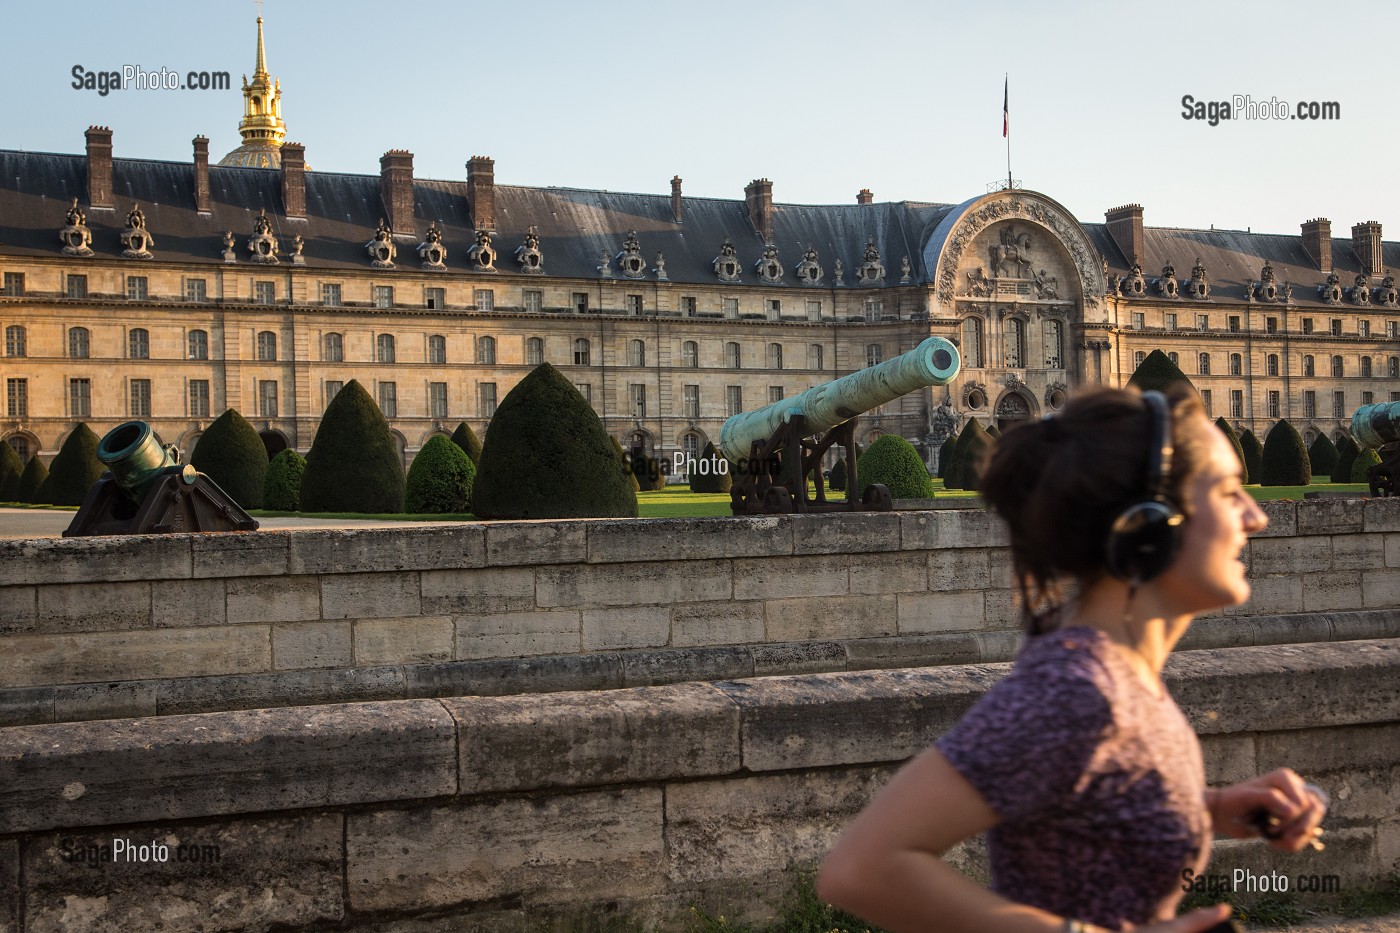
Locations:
(294, 180)
(201, 175)
(396, 189)
(758, 197)
(481, 192)
(865, 197)
(1125, 226)
(1317, 242)
(99, 166)
(1366, 240)
(676, 198)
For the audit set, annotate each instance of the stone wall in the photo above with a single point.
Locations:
(174, 624)
(486, 812)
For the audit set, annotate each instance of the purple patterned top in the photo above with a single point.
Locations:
(1099, 784)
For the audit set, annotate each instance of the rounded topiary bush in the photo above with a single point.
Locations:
(1322, 455)
(31, 481)
(1285, 460)
(282, 482)
(440, 478)
(74, 469)
(1253, 456)
(1347, 452)
(945, 456)
(711, 480)
(625, 465)
(465, 438)
(1368, 458)
(893, 462)
(231, 454)
(837, 479)
(1158, 372)
(353, 464)
(1234, 439)
(11, 469)
(548, 456)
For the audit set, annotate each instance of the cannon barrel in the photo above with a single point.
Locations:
(933, 362)
(134, 455)
(1376, 425)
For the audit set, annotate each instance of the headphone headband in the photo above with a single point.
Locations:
(1159, 443)
(1144, 538)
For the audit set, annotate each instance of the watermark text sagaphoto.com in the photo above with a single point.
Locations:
(1244, 881)
(141, 852)
(134, 77)
(1244, 107)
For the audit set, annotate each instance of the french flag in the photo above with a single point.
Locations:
(1005, 107)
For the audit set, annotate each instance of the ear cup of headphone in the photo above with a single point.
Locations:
(1143, 541)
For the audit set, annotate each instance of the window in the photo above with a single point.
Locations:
(1368, 398)
(775, 309)
(1236, 403)
(76, 286)
(581, 353)
(874, 309)
(197, 345)
(581, 302)
(1203, 322)
(1307, 325)
(1170, 320)
(389, 399)
(634, 304)
(384, 350)
(1336, 327)
(1236, 364)
(488, 399)
(437, 400)
(437, 349)
(1175, 357)
(333, 387)
(267, 398)
(267, 345)
(1309, 365)
(1273, 403)
(688, 307)
(731, 355)
(79, 343)
(264, 293)
(383, 296)
(814, 310)
(484, 299)
(534, 300)
(79, 398)
(874, 354)
(1309, 404)
(1203, 364)
(775, 356)
(733, 400)
(330, 295)
(1015, 343)
(1232, 323)
(636, 353)
(585, 390)
(1271, 364)
(1336, 367)
(972, 343)
(775, 394)
(690, 444)
(1271, 325)
(486, 350)
(333, 348)
(435, 299)
(1339, 404)
(637, 395)
(534, 351)
(138, 344)
(1054, 345)
(690, 402)
(136, 287)
(1392, 329)
(1392, 367)
(140, 398)
(17, 397)
(14, 284)
(731, 307)
(16, 342)
(1139, 320)
(814, 356)
(199, 398)
(690, 354)
(1138, 357)
(1366, 367)
(1206, 403)
(1363, 328)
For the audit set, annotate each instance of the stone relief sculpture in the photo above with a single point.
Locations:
(74, 234)
(529, 256)
(382, 249)
(1046, 287)
(1167, 285)
(630, 260)
(1198, 288)
(978, 285)
(1361, 289)
(871, 271)
(136, 240)
(1134, 284)
(809, 270)
(431, 251)
(1331, 290)
(1011, 257)
(1386, 294)
(482, 255)
(229, 255)
(263, 244)
(727, 263)
(768, 268)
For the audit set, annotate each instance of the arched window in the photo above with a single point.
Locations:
(1236, 364)
(486, 350)
(198, 345)
(814, 356)
(690, 354)
(731, 355)
(1203, 364)
(79, 343)
(636, 353)
(775, 356)
(333, 348)
(21, 445)
(1015, 343)
(534, 351)
(1366, 367)
(972, 343)
(1054, 345)
(1138, 357)
(267, 345)
(874, 354)
(437, 349)
(1309, 366)
(581, 352)
(690, 444)
(384, 350)
(138, 344)
(1271, 364)
(1336, 367)
(16, 343)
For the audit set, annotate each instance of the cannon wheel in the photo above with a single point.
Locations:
(777, 501)
(877, 498)
(1382, 481)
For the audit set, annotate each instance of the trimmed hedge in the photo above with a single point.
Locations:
(31, 480)
(1285, 457)
(945, 456)
(623, 465)
(1158, 372)
(548, 456)
(1253, 456)
(1347, 452)
(1228, 430)
(972, 444)
(74, 470)
(231, 454)
(353, 464)
(1322, 455)
(1368, 458)
(282, 481)
(465, 438)
(837, 480)
(440, 478)
(713, 480)
(11, 469)
(893, 462)
(993, 431)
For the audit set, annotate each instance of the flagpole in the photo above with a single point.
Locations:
(1006, 123)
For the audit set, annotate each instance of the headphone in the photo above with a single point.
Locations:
(1145, 537)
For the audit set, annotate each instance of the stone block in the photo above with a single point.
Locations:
(918, 531)
(504, 677)
(99, 657)
(187, 603)
(671, 539)
(368, 550)
(911, 651)
(370, 595)
(25, 706)
(780, 577)
(1381, 514)
(637, 627)
(403, 641)
(1283, 518)
(998, 647)
(18, 610)
(721, 623)
(1220, 632)
(1292, 630)
(489, 590)
(1350, 855)
(521, 743)
(10, 895)
(959, 569)
(1392, 550)
(244, 874)
(825, 618)
(241, 554)
(1354, 626)
(941, 612)
(517, 634)
(1000, 568)
(969, 527)
(675, 665)
(28, 561)
(109, 607)
(1359, 747)
(1308, 554)
(283, 688)
(597, 586)
(1332, 590)
(1003, 609)
(845, 532)
(123, 700)
(544, 542)
(1272, 594)
(1380, 589)
(301, 645)
(1358, 552)
(807, 657)
(1229, 759)
(1329, 516)
(177, 767)
(878, 574)
(273, 599)
(600, 845)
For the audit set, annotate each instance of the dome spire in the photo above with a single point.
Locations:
(262, 128)
(261, 67)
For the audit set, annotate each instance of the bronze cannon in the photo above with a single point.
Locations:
(1378, 426)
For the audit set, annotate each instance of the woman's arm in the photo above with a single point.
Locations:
(1283, 795)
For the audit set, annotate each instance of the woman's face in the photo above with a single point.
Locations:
(1209, 571)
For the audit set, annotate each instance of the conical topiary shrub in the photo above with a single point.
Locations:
(1228, 430)
(1322, 455)
(945, 456)
(282, 482)
(709, 478)
(465, 438)
(893, 462)
(1158, 372)
(11, 469)
(1368, 458)
(1253, 456)
(1347, 451)
(625, 464)
(353, 464)
(973, 443)
(837, 480)
(1285, 460)
(953, 476)
(74, 470)
(440, 478)
(993, 431)
(231, 454)
(31, 480)
(548, 456)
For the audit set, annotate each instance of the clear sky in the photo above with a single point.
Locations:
(822, 97)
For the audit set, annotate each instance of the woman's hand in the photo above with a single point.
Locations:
(1294, 810)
